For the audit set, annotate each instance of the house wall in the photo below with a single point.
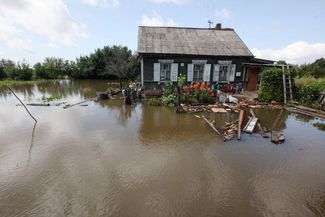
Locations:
(183, 61)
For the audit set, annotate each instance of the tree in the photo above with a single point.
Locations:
(117, 63)
(6, 67)
(21, 71)
(315, 69)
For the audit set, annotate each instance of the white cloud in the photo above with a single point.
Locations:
(102, 3)
(223, 14)
(156, 20)
(295, 53)
(177, 2)
(12, 37)
(48, 18)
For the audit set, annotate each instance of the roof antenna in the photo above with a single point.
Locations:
(210, 23)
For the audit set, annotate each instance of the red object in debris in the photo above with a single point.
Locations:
(229, 88)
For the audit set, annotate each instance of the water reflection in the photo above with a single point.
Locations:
(110, 159)
(32, 142)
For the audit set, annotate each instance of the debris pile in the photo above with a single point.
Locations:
(230, 129)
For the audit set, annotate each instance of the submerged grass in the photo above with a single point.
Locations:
(4, 83)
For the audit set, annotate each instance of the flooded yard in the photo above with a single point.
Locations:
(110, 159)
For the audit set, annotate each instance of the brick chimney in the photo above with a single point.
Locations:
(218, 26)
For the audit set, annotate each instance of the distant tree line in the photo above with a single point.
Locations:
(116, 63)
(315, 69)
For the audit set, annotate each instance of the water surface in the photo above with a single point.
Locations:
(109, 159)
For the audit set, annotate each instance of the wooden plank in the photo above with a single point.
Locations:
(250, 126)
(240, 122)
(38, 104)
(69, 106)
(259, 126)
(218, 110)
(212, 126)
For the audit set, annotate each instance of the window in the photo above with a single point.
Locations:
(198, 72)
(224, 72)
(165, 72)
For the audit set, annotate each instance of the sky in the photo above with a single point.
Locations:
(291, 30)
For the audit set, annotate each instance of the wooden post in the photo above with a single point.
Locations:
(284, 85)
(178, 99)
(241, 116)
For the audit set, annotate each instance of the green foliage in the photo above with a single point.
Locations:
(169, 96)
(315, 69)
(53, 68)
(50, 99)
(169, 100)
(308, 89)
(113, 91)
(116, 62)
(272, 85)
(169, 89)
(204, 97)
(6, 67)
(283, 62)
(154, 102)
(190, 100)
(21, 71)
(320, 126)
(181, 80)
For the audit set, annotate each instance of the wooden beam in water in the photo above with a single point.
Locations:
(212, 126)
(240, 122)
(259, 126)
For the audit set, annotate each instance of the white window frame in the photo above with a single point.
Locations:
(195, 72)
(224, 75)
(165, 72)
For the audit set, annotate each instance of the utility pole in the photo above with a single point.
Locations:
(210, 23)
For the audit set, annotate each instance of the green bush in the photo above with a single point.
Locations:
(154, 102)
(169, 96)
(181, 81)
(320, 126)
(271, 86)
(169, 100)
(204, 97)
(190, 100)
(169, 89)
(21, 72)
(3, 73)
(308, 89)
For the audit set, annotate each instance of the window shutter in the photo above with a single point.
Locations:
(207, 72)
(156, 71)
(174, 72)
(190, 69)
(232, 72)
(216, 72)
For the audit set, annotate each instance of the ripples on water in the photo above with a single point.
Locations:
(108, 159)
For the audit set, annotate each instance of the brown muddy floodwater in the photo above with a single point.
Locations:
(109, 159)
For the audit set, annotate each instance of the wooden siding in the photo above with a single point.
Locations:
(148, 66)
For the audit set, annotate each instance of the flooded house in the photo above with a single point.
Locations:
(203, 54)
